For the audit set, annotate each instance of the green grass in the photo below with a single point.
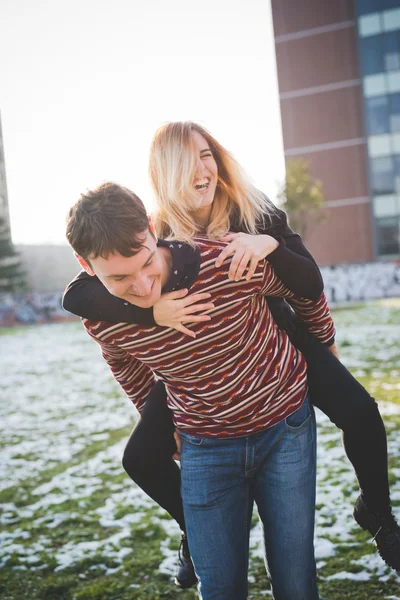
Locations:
(74, 527)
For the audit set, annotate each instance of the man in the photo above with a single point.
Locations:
(237, 391)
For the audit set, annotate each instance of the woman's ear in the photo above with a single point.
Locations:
(84, 264)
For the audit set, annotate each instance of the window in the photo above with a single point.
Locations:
(393, 81)
(379, 145)
(395, 143)
(369, 6)
(369, 25)
(377, 115)
(391, 19)
(396, 169)
(375, 85)
(388, 232)
(382, 175)
(394, 101)
(391, 49)
(372, 55)
(386, 206)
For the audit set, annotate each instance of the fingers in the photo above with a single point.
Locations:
(195, 318)
(236, 260)
(242, 266)
(177, 438)
(190, 310)
(252, 268)
(229, 237)
(176, 295)
(192, 298)
(185, 330)
(231, 249)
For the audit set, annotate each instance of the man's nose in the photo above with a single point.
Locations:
(142, 286)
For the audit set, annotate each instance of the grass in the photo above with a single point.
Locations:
(74, 527)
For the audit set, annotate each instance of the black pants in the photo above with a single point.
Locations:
(147, 457)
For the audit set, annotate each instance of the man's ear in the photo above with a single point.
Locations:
(152, 229)
(84, 264)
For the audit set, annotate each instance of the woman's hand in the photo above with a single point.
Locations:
(247, 251)
(177, 438)
(173, 309)
(334, 349)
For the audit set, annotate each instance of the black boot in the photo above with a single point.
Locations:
(384, 530)
(185, 575)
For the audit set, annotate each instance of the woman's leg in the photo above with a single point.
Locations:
(148, 455)
(349, 406)
(148, 461)
(335, 391)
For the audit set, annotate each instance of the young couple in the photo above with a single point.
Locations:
(238, 383)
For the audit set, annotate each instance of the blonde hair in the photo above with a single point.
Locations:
(172, 170)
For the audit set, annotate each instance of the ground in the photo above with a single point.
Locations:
(74, 527)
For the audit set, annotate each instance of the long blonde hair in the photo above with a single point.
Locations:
(172, 170)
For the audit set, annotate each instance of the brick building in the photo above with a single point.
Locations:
(339, 83)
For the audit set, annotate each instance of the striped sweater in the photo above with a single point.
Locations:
(240, 375)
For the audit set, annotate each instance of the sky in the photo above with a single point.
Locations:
(84, 84)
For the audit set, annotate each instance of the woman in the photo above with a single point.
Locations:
(200, 188)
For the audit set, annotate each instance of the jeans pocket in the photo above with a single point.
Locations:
(191, 439)
(300, 417)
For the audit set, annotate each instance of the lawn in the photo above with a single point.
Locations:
(74, 527)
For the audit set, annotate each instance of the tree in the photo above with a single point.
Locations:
(302, 198)
(12, 276)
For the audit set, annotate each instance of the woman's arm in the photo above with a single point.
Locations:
(291, 260)
(283, 248)
(87, 297)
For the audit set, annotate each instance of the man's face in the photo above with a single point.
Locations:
(137, 279)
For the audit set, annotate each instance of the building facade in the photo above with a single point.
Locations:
(339, 83)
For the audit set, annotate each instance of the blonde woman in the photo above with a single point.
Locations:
(200, 188)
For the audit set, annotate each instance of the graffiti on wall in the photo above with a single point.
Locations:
(30, 308)
(343, 283)
(370, 281)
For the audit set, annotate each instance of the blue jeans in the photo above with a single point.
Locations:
(221, 479)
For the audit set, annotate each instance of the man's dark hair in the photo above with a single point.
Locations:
(105, 220)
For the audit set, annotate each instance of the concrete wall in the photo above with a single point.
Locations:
(49, 268)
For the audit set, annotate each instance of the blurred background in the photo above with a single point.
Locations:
(305, 93)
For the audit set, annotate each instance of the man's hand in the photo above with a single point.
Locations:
(247, 251)
(334, 350)
(177, 438)
(174, 309)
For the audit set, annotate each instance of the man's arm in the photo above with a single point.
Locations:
(135, 378)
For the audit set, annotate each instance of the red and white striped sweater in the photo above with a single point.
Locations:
(239, 375)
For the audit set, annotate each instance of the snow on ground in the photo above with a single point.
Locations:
(59, 398)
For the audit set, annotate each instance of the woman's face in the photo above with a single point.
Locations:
(206, 178)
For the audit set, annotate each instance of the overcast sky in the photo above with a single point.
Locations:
(85, 83)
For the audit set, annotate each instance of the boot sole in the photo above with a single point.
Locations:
(186, 584)
(397, 568)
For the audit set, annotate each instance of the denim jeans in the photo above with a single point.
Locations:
(221, 479)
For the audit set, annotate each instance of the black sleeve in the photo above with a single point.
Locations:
(87, 297)
(291, 261)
